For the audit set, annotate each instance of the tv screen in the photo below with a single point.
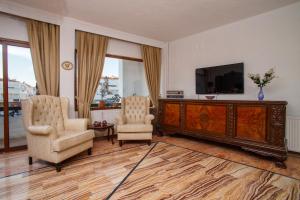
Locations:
(224, 79)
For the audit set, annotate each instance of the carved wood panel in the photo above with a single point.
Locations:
(208, 118)
(277, 125)
(252, 123)
(230, 120)
(171, 115)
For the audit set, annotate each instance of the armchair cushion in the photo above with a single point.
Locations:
(135, 109)
(134, 128)
(40, 130)
(69, 139)
(148, 119)
(134, 136)
(47, 111)
(120, 119)
(76, 124)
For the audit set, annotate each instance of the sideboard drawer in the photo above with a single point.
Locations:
(252, 123)
(208, 119)
(171, 115)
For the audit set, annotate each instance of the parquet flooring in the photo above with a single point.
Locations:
(16, 162)
(138, 171)
(236, 154)
(88, 178)
(172, 172)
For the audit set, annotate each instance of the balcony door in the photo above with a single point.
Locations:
(17, 83)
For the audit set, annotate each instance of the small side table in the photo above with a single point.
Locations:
(109, 127)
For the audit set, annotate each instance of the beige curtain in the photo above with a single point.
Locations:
(152, 61)
(44, 47)
(91, 50)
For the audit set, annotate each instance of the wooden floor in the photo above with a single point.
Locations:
(204, 170)
(237, 155)
(172, 172)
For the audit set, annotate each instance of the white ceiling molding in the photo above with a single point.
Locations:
(29, 12)
(14, 28)
(113, 33)
(163, 20)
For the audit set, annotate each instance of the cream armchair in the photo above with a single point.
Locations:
(51, 135)
(134, 120)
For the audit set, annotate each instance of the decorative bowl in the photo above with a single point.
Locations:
(104, 123)
(97, 124)
(210, 97)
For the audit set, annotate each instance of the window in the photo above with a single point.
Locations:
(17, 82)
(120, 78)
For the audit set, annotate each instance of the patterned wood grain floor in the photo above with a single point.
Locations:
(159, 171)
(16, 162)
(88, 178)
(172, 172)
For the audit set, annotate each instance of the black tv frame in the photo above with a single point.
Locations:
(243, 76)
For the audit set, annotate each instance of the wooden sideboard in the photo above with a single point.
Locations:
(257, 126)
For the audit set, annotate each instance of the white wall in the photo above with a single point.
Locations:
(261, 42)
(124, 48)
(12, 28)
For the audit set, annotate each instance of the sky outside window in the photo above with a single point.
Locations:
(22, 70)
(111, 67)
(20, 65)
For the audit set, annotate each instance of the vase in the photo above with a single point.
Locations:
(260, 95)
(101, 104)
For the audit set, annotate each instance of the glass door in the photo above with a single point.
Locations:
(17, 84)
(21, 85)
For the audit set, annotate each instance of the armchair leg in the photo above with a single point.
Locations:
(149, 142)
(90, 151)
(30, 160)
(58, 167)
(120, 143)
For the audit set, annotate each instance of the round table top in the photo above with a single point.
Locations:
(109, 125)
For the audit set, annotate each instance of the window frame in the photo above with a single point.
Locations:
(76, 78)
(5, 42)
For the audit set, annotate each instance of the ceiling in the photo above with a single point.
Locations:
(163, 20)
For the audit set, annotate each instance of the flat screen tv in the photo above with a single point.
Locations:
(224, 79)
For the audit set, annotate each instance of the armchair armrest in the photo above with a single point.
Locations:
(40, 130)
(148, 119)
(120, 119)
(76, 124)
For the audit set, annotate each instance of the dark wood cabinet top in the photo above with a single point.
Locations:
(225, 101)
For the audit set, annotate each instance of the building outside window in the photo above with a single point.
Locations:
(120, 78)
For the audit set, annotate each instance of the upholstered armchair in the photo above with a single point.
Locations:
(51, 135)
(134, 120)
